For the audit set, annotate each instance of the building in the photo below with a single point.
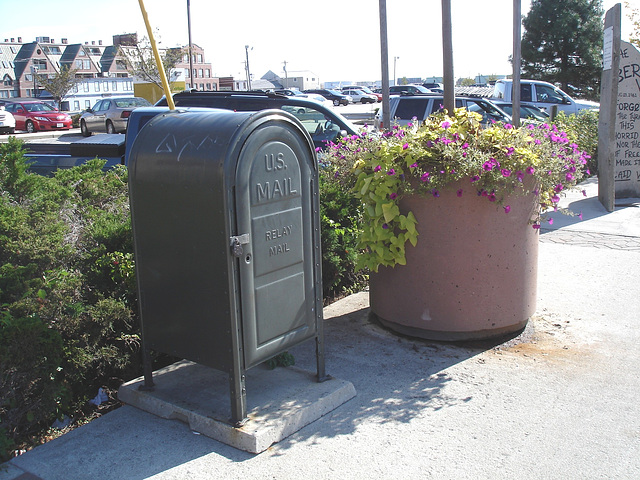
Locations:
(102, 70)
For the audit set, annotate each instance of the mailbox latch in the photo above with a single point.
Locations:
(236, 243)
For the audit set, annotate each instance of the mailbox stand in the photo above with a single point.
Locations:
(225, 215)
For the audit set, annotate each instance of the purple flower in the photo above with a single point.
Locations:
(377, 169)
(569, 177)
(318, 149)
(393, 195)
(385, 226)
(507, 208)
(530, 170)
(435, 193)
(424, 177)
(459, 192)
(508, 126)
(555, 199)
(558, 188)
(445, 125)
(510, 151)
(492, 197)
(584, 193)
(550, 221)
(505, 172)
(405, 146)
(391, 172)
(475, 178)
(536, 226)
(415, 165)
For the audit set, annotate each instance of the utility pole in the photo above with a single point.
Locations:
(286, 75)
(517, 61)
(384, 61)
(447, 55)
(246, 48)
(190, 49)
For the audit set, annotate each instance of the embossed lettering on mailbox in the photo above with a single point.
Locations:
(277, 237)
(278, 180)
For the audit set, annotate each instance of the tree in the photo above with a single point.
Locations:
(141, 61)
(60, 83)
(562, 43)
(634, 16)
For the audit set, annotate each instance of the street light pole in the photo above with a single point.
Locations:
(34, 72)
(190, 43)
(394, 70)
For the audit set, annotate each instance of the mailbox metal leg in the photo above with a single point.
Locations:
(147, 369)
(238, 397)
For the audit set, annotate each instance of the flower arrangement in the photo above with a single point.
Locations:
(497, 161)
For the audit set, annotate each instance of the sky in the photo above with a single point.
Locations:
(337, 40)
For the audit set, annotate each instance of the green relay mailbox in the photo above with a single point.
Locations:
(225, 215)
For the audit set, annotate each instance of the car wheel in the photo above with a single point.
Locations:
(110, 127)
(83, 129)
(336, 103)
(30, 126)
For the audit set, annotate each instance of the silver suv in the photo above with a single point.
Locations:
(408, 108)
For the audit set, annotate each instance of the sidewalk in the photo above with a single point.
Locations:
(558, 402)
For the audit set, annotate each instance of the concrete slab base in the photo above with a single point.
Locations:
(279, 402)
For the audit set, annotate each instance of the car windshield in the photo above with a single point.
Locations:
(320, 126)
(38, 107)
(132, 103)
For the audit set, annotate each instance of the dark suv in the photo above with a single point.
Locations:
(323, 124)
(336, 97)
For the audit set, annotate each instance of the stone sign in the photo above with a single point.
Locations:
(627, 126)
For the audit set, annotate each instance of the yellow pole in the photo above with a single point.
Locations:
(156, 54)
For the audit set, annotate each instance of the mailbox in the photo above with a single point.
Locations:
(225, 215)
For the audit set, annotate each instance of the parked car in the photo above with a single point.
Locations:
(366, 90)
(408, 89)
(110, 115)
(336, 97)
(407, 108)
(7, 122)
(34, 115)
(360, 96)
(323, 123)
(527, 111)
(433, 86)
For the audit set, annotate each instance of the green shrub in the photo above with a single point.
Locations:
(582, 128)
(339, 231)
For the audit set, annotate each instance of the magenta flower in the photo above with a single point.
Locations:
(405, 146)
(536, 226)
(492, 197)
(475, 178)
(580, 216)
(393, 196)
(555, 199)
(459, 192)
(550, 221)
(530, 170)
(391, 172)
(435, 193)
(377, 169)
(505, 172)
(445, 125)
(507, 208)
(424, 177)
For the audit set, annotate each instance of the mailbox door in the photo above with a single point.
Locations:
(276, 178)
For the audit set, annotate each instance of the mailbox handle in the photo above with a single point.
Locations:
(236, 243)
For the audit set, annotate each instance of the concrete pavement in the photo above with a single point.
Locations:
(557, 402)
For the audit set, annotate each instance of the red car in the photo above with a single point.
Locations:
(33, 115)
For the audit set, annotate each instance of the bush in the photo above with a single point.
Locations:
(339, 229)
(582, 128)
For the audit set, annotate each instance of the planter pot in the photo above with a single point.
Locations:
(472, 275)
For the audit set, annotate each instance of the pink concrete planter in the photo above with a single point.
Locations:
(472, 275)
